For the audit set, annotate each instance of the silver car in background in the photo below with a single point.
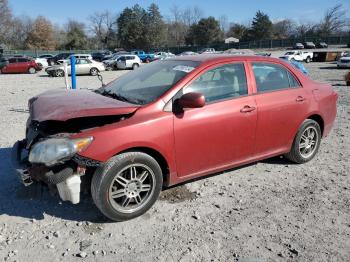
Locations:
(83, 67)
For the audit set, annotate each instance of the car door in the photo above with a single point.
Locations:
(282, 106)
(221, 133)
(22, 65)
(85, 66)
(11, 66)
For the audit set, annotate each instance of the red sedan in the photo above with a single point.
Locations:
(169, 122)
(20, 65)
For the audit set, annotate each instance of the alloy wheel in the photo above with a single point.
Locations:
(132, 188)
(308, 142)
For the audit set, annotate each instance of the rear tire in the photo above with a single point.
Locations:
(31, 70)
(306, 142)
(94, 71)
(135, 66)
(308, 59)
(127, 185)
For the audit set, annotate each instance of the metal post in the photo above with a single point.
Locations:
(72, 72)
(66, 74)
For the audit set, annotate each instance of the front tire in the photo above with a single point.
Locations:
(306, 142)
(94, 71)
(127, 185)
(308, 59)
(31, 70)
(59, 73)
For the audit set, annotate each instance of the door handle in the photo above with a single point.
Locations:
(247, 109)
(300, 99)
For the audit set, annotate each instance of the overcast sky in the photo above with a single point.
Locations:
(236, 10)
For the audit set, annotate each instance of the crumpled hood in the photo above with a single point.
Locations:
(62, 105)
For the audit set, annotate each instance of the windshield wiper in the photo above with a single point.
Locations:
(120, 97)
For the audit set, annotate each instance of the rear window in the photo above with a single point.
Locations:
(22, 60)
(12, 60)
(271, 77)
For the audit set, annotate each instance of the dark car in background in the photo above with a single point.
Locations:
(20, 65)
(62, 56)
(99, 56)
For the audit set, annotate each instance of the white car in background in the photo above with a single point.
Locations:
(77, 56)
(187, 53)
(83, 67)
(299, 56)
(163, 55)
(344, 61)
(41, 62)
(128, 62)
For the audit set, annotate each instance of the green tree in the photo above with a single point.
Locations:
(75, 36)
(206, 32)
(262, 27)
(131, 27)
(154, 28)
(41, 35)
(237, 31)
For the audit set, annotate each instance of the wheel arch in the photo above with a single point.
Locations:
(163, 163)
(318, 118)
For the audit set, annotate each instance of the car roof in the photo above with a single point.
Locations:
(206, 58)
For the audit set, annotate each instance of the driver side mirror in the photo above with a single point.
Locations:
(191, 100)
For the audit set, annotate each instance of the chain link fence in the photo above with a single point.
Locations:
(263, 44)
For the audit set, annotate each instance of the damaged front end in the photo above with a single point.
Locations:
(48, 155)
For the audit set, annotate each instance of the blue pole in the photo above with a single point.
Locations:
(72, 72)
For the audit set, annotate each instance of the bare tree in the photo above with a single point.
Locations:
(333, 21)
(284, 29)
(103, 26)
(5, 20)
(224, 24)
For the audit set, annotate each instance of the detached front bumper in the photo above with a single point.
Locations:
(19, 159)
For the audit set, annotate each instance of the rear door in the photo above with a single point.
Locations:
(83, 66)
(11, 66)
(221, 133)
(282, 106)
(22, 65)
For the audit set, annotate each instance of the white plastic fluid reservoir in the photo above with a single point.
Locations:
(69, 190)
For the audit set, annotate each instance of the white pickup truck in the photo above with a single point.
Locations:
(298, 56)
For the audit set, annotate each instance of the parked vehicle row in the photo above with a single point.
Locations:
(310, 45)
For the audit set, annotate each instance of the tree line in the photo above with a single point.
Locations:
(137, 27)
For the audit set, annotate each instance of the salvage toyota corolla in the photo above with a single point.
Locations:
(169, 122)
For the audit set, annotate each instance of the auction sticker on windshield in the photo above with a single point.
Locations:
(183, 68)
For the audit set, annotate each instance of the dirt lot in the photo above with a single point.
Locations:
(268, 211)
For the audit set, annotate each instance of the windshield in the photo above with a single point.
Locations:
(289, 53)
(147, 83)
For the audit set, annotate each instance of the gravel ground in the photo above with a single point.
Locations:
(268, 211)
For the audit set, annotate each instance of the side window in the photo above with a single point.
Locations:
(292, 81)
(12, 60)
(221, 83)
(270, 77)
(22, 60)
